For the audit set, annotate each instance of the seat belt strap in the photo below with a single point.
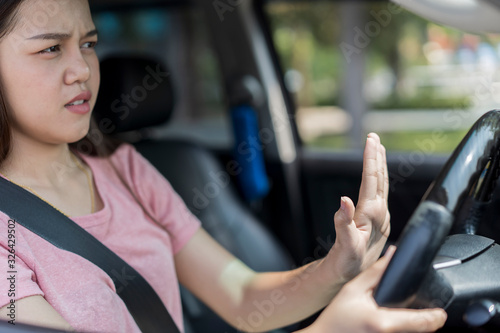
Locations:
(36, 215)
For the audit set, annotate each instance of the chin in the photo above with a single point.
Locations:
(77, 135)
(73, 141)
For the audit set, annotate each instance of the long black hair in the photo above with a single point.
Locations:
(8, 18)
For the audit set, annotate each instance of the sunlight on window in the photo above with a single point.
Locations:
(418, 77)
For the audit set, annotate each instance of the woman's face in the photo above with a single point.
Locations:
(49, 71)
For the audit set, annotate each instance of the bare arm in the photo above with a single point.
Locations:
(35, 310)
(250, 301)
(263, 301)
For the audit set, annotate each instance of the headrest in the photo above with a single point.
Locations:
(135, 93)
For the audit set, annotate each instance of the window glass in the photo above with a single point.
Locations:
(355, 67)
(178, 36)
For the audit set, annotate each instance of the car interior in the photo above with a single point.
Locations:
(199, 89)
(189, 166)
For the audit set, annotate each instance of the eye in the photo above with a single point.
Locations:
(52, 49)
(89, 45)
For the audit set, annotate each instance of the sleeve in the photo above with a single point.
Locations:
(158, 196)
(18, 279)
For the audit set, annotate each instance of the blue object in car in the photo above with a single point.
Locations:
(248, 153)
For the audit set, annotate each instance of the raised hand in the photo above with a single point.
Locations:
(363, 230)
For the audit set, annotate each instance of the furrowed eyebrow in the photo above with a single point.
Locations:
(60, 36)
(51, 36)
(92, 33)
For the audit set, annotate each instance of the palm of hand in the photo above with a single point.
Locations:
(363, 231)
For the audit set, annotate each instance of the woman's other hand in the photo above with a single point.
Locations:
(355, 310)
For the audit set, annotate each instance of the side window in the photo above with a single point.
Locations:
(355, 67)
(178, 36)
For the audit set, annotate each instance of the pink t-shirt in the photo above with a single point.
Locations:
(80, 291)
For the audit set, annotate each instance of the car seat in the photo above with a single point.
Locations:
(136, 93)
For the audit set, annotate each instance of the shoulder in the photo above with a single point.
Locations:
(129, 160)
(125, 153)
(125, 160)
(137, 170)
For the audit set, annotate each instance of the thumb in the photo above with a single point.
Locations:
(343, 219)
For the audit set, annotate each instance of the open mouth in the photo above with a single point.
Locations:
(80, 102)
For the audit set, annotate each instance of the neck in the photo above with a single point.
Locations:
(38, 164)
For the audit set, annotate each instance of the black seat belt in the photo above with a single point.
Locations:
(36, 215)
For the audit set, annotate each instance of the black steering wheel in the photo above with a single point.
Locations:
(440, 261)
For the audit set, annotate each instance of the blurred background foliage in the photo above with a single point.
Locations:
(411, 65)
(416, 76)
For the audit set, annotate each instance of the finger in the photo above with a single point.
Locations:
(381, 171)
(369, 180)
(414, 321)
(343, 219)
(374, 136)
(381, 165)
(386, 173)
(389, 252)
(370, 278)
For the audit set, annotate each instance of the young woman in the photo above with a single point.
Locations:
(49, 82)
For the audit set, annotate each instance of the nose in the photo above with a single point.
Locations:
(77, 70)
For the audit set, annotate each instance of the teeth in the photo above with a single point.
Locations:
(77, 102)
